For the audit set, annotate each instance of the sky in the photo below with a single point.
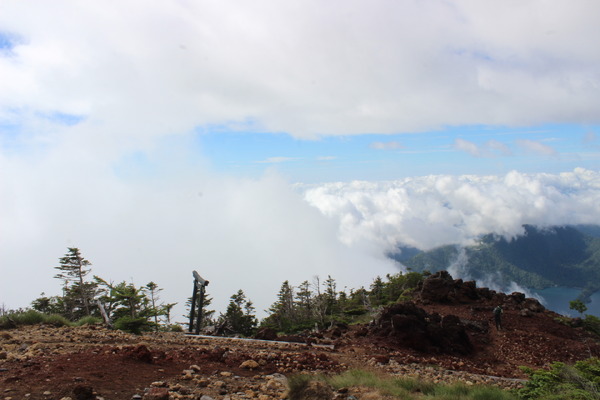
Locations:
(257, 142)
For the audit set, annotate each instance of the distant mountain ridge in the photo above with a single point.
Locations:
(566, 256)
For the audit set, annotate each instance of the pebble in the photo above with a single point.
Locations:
(249, 364)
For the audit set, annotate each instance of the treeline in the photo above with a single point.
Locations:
(121, 304)
(135, 309)
(310, 304)
(320, 304)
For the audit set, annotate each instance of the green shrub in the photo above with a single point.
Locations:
(490, 393)
(175, 328)
(6, 322)
(296, 384)
(29, 317)
(402, 388)
(56, 320)
(89, 320)
(134, 325)
(564, 382)
(592, 323)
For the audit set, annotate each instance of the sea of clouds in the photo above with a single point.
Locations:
(426, 212)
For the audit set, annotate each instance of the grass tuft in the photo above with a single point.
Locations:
(56, 320)
(29, 317)
(89, 320)
(402, 388)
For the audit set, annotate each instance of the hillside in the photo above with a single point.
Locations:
(560, 256)
(444, 334)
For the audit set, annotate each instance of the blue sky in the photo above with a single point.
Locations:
(461, 150)
(210, 135)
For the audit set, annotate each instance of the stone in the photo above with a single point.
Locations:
(157, 393)
(249, 364)
(82, 392)
(218, 384)
(266, 334)
(315, 390)
(205, 397)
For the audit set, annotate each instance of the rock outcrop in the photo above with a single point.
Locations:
(413, 327)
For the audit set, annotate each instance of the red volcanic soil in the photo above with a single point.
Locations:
(45, 362)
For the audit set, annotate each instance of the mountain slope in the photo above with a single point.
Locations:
(559, 256)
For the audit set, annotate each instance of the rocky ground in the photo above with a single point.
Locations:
(418, 340)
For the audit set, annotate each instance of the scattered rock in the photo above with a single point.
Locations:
(81, 392)
(313, 390)
(249, 364)
(140, 353)
(266, 334)
(157, 393)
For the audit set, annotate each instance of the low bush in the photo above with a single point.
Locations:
(592, 323)
(56, 320)
(134, 325)
(564, 382)
(29, 317)
(400, 388)
(89, 320)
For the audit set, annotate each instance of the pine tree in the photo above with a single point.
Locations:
(377, 291)
(304, 301)
(331, 296)
(152, 290)
(283, 311)
(77, 293)
(240, 314)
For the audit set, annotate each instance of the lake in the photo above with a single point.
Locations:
(557, 299)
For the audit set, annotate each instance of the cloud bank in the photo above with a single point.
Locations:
(304, 68)
(159, 224)
(426, 212)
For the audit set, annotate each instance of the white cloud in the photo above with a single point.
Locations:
(467, 146)
(277, 160)
(589, 137)
(248, 234)
(497, 147)
(147, 70)
(435, 210)
(386, 145)
(140, 77)
(491, 148)
(537, 147)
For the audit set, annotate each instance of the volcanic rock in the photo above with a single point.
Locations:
(413, 327)
(266, 334)
(81, 392)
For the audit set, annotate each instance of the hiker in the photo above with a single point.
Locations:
(498, 317)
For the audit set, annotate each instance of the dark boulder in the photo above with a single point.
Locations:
(266, 334)
(442, 288)
(413, 327)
